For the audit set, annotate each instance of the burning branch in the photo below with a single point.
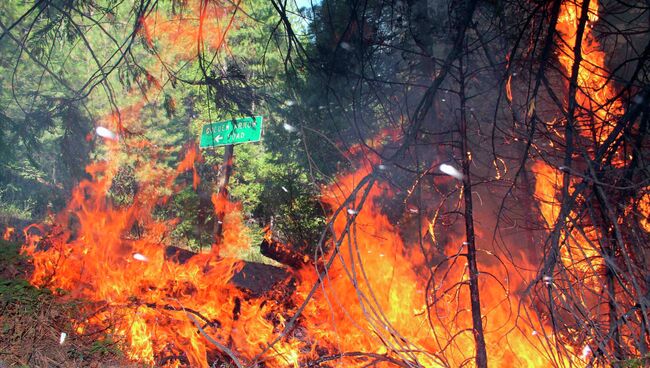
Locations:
(214, 342)
(366, 182)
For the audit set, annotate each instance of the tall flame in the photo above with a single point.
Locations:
(598, 108)
(595, 96)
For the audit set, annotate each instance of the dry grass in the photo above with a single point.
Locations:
(32, 320)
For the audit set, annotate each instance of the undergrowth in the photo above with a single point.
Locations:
(32, 321)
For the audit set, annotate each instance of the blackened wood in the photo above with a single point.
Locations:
(283, 253)
(255, 278)
(259, 278)
(475, 301)
(178, 255)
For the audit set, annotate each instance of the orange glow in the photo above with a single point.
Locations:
(8, 233)
(192, 156)
(547, 184)
(509, 88)
(596, 113)
(201, 24)
(644, 209)
(143, 292)
(595, 96)
(387, 314)
(597, 109)
(578, 251)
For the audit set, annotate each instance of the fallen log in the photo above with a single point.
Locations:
(178, 255)
(255, 278)
(284, 254)
(259, 278)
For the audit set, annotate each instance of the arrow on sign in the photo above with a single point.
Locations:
(218, 138)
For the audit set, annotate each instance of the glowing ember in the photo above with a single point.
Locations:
(644, 209)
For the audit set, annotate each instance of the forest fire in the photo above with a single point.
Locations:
(594, 110)
(390, 280)
(370, 305)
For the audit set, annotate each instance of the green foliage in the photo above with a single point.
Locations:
(280, 192)
(633, 363)
(98, 349)
(10, 210)
(21, 291)
(16, 290)
(9, 254)
(43, 124)
(185, 207)
(48, 114)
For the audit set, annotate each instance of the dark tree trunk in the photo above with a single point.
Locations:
(477, 322)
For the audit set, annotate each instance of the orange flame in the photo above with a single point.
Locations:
(8, 233)
(596, 95)
(597, 110)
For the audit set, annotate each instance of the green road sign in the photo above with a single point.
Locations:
(228, 132)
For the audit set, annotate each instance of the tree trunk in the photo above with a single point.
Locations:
(222, 194)
(477, 322)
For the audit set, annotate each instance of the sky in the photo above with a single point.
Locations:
(307, 3)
